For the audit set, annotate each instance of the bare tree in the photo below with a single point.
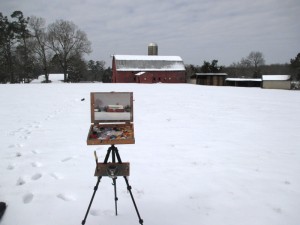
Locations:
(252, 62)
(256, 59)
(39, 42)
(66, 40)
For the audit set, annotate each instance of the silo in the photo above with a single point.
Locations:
(152, 49)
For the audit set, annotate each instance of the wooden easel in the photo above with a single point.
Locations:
(113, 170)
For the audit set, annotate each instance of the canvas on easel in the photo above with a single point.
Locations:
(111, 118)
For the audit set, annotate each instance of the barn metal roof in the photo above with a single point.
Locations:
(148, 63)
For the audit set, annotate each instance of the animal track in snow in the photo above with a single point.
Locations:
(36, 176)
(66, 197)
(35, 125)
(21, 133)
(27, 198)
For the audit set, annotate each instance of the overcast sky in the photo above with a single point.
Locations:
(195, 30)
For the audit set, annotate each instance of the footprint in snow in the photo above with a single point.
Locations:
(95, 212)
(10, 166)
(35, 152)
(36, 164)
(35, 125)
(67, 159)
(36, 176)
(57, 176)
(66, 197)
(27, 198)
(25, 137)
(21, 181)
(16, 146)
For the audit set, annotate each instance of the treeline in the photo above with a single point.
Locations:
(29, 48)
(252, 66)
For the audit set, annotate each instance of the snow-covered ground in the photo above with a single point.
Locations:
(203, 156)
(53, 77)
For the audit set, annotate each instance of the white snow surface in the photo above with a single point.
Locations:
(244, 79)
(276, 77)
(144, 63)
(203, 155)
(54, 77)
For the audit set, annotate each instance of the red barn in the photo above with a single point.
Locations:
(147, 69)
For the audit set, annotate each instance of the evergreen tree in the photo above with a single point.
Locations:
(7, 45)
(212, 67)
(295, 63)
(22, 34)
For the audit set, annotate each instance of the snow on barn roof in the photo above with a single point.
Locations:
(276, 77)
(243, 79)
(148, 63)
(211, 74)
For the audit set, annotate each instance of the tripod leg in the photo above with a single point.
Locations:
(128, 186)
(113, 149)
(95, 189)
(116, 198)
(136, 209)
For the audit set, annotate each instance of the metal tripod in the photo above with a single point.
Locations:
(115, 153)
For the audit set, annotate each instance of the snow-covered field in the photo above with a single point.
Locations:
(203, 156)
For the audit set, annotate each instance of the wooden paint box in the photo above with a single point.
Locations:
(111, 118)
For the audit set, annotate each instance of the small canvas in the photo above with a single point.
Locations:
(111, 118)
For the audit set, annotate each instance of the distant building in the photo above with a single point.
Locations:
(147, 69)
(215, 79)
(276, 81)
(243, 82)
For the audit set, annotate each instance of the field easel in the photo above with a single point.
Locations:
(113, 170)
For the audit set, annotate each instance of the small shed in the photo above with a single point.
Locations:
(215, 79)
(243, 82)
(276, 82)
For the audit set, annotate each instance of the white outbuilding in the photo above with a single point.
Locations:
(276, 82)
